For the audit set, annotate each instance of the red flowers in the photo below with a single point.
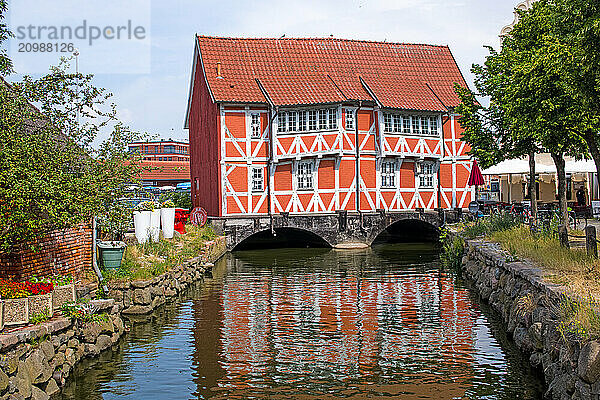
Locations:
(15, 290)
(39, 287)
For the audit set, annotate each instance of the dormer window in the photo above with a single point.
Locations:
(411, 124)
(307, 120)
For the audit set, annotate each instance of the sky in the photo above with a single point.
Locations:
(155, 101)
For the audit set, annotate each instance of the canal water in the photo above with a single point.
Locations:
(385, 323)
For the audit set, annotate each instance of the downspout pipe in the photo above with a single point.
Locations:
(271, 107)
(357, 163)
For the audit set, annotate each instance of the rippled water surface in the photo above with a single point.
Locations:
(316, 324)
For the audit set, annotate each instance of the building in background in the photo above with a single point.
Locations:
(321, 125)
(169, 162)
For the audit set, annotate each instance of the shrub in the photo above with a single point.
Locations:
(114, 220)
(146, 206)
(180, 199)
(168, 204)
(488, 225)
(453, 250)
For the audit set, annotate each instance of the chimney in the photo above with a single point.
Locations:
(219, 76)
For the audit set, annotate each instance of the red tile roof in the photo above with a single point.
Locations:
(311, 71)
(166, 170)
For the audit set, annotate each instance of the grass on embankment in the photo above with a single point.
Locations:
(145, 261)
(579, 317)
(569, 267)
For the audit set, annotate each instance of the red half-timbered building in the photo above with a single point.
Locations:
(320, 125)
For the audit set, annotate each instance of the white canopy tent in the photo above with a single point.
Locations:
(516, 170)
(521, 166)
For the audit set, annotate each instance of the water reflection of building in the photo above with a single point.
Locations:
(321, 327)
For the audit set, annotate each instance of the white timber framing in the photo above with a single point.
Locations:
(252, 153)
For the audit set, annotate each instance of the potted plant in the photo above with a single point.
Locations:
(155, 222)
(141, 219)
(167, 218)
(113, 223)
(64, 290)
(15, 305)
(40, 297)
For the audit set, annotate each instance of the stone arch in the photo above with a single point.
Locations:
(413, 228)
(285, 236)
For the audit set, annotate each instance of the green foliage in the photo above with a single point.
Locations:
(168, 204)
(453, 249)
(488, 225)
(82, 311)
(36, 341)
(579, 320)
(52, 176)
(144, 261)
(55, 169)
(181, 199)
(539, 100)
(56, 280)
(146, 206)
(39, 318)
(6, 66)
(100, 292)
(114, 220)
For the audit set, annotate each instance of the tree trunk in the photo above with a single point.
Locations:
(559, 161)
(592, 142)
(532, 185)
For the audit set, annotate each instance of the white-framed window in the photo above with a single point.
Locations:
(301, 121)
(257, 179)
(397, 123)
(416, 126)
(332, 118)
(307, 120)
(410, 124)
(425, 125)
(387, 122)
(388, 174)
(292, 120)
(426, 174)
(433, 126)
(255, 125)
(349, 119)
(323, 120)
(312, 120)
(304, 175)
(281, 125)
(406, 124)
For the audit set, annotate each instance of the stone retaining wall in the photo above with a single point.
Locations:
(143, 296)
(531, 308)
(36, 360)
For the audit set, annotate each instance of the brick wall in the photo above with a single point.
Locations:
(67, 251)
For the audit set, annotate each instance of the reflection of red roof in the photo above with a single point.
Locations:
(166, 170)
(312, 71)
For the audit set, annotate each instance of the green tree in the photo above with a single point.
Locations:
(58, 166)
(529, 98)
(6, 66)
(487, 129)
